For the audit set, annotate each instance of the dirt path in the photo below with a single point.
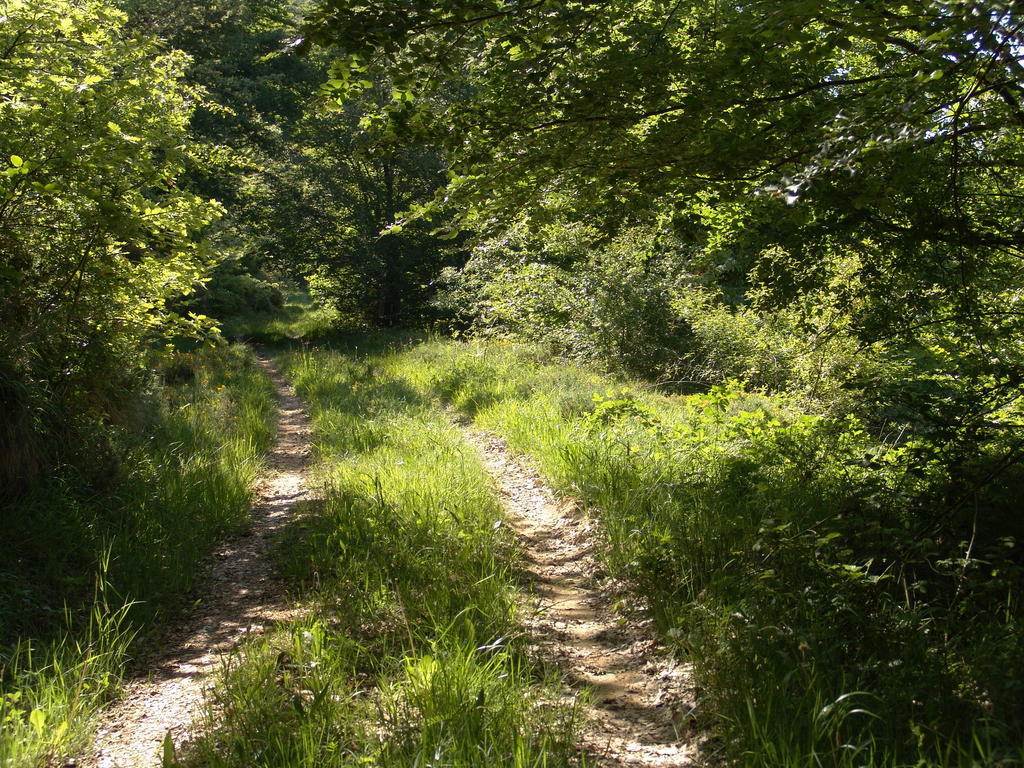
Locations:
(239, 597)
(642, 699)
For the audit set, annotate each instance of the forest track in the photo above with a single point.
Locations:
(240, 598)
(642, 708)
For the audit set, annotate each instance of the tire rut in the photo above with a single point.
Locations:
(240, 598)
(641, 710)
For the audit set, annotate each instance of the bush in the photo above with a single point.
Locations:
(96, 236)
(603, 302)
(230, 294)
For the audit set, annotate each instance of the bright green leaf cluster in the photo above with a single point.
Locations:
(96, 236)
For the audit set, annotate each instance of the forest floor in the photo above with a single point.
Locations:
(641, 703)
(238, 598)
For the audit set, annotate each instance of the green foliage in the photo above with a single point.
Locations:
(298, 318)
(833, 617)
(637, 303)
(96, 235)
(587, 297)
(805, 213)
(181, 474)
(230, 293)
(48, 698)
(358, 251)
(818, 197)
(619, 104)
(308, 192)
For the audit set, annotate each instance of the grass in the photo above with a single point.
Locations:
(87, 571)
(299, 318)
(409, 654)
(777, 551)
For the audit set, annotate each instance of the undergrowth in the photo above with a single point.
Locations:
(89, 562)
(409, 653)
(805, 565)
(297, 318)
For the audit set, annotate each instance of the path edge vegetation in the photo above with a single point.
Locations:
(92, 574)
(738, 516)
(801, 219)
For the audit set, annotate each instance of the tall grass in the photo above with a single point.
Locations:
(410, 654)
(50, 694)
(777, 551)
(87, 570)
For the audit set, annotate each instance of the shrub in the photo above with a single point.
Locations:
(231, 293)
(606, 302)
(96, 235)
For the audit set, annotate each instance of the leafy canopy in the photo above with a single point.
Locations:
(627, 102)
(96, 235)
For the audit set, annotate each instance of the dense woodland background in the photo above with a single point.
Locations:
(803, 221)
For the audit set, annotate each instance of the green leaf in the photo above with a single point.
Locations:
(16, 161)
(38, 720)
(167, 757)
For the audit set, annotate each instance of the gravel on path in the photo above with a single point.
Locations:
(239, 597)
(642, 703)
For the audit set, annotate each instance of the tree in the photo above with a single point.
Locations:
(864, 157)
(96, 235)
(893, 132)
(346, 196)
(627, 102)
(628, 107)
(308, 192)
